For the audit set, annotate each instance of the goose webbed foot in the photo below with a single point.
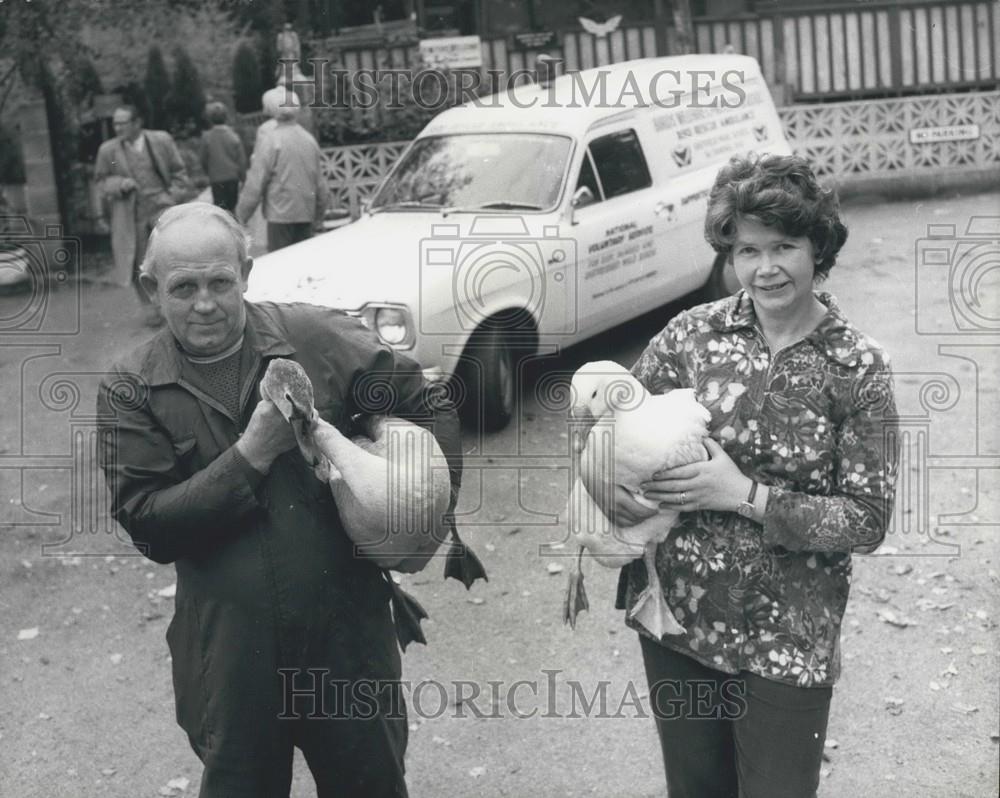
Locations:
(462, 563)
(576, 595)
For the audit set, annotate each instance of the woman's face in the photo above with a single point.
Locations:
(775, 269)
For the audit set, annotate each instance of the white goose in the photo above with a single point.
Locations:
(633, 434)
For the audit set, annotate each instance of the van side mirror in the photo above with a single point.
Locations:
(582, 197)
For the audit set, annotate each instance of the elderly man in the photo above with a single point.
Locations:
(285, 174)
(282, 634)
(141, 173)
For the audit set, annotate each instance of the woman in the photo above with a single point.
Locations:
(800, 476)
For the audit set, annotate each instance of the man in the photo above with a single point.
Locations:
(223, 158)
(272, 600)
(141, 173)
(286, 175)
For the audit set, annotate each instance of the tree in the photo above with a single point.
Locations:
(157, 85)
(85, 83)
(247, 85)
(187, 97)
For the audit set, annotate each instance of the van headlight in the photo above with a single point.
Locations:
(391, 326)
(392, 323)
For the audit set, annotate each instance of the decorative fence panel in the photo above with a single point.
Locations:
(844, 142)
(875, 138)
(354, 172)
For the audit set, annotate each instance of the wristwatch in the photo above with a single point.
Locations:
(746, 506)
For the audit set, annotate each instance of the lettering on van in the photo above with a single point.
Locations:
(698, 195)
(622, 286)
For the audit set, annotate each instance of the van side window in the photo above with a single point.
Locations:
(620, 163)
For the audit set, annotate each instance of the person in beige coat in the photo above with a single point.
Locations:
(141, 174)
(286, 176)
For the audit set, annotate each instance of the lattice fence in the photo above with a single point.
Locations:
(843, 141)
(353, 172)
(872, 137)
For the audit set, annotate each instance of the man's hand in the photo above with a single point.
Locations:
(127, 185)
(266, 436)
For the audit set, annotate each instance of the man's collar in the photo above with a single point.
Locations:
(138, 144)
(163, 361)
(834, 335)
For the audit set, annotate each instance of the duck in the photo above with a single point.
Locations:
(625, 435)
(381, 479)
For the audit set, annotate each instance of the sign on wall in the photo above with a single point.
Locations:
(930, 135)
(452, 52)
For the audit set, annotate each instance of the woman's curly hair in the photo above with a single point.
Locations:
(778, 191)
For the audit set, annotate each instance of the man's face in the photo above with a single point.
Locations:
(127, 127)
(199, 285)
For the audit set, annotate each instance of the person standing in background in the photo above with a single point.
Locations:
(141, 173)
(285, 177)
(223, 158)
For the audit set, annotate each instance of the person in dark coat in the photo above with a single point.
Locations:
(223, 158)
(282, 635)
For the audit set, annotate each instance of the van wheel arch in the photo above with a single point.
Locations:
(489, 368)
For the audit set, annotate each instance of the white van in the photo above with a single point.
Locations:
(536, 218)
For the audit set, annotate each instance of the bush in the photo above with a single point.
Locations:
(120, 42)
(157, 85)
(84, 83)
(187, 97)
(247, 86)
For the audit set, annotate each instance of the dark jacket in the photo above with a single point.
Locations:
(266, 576)
(222, 155)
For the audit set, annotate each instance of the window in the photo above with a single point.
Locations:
(621, 166)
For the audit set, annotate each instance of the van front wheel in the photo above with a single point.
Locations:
(490, 375)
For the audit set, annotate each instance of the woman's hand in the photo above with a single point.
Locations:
(614, 501)
(715, 484)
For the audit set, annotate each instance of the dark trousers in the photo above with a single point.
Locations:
(741, 736)
(283, 234)
(346, 756)
(225, 194)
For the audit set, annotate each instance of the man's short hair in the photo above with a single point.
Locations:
(216, 113)
(204, 210)
(133, 111)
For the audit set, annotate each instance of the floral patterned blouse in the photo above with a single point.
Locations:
(815, 421)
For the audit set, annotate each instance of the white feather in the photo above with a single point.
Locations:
(635, 435)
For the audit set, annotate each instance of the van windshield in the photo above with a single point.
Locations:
(469, 171)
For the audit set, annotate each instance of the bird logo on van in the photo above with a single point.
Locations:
(682, 156)
(760, 133)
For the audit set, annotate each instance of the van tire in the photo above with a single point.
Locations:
(721, 282)
(491, 384)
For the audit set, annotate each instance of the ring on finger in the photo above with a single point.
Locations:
(684, 497)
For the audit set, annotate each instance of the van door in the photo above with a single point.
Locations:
(614, 230)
